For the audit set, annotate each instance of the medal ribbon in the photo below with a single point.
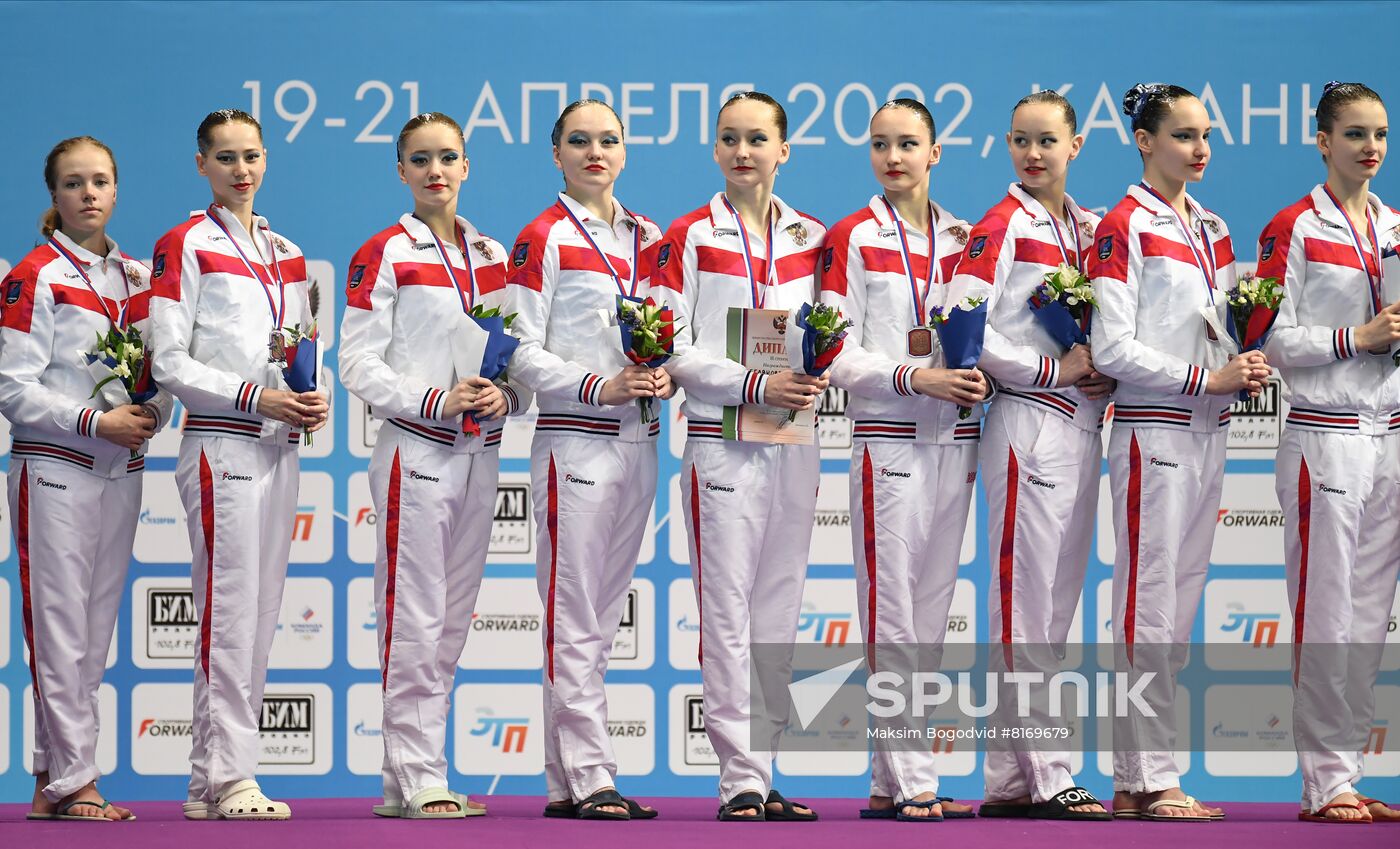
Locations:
(758, 296)
(119, 322)
(1372, 281)
(278, 308)
(934, 271)
(468, 297)
(627, 291)
(1207, 271)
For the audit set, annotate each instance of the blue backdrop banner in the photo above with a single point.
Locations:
(332, 83)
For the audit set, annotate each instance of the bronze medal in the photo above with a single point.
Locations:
(920, 342)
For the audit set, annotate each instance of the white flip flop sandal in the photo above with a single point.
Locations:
(395, 809)
(245, 801)
(430, 795)
(1187, 803)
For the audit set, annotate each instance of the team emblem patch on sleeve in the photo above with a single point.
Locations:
(12, 290)
(975, 249)
(663, 255)
(519, 255)
(158, 267)
(827, 256)
(1105, 247)
(357, 276)
(1266, 250)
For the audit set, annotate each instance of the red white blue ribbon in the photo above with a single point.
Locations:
(278, 308)
(469, 296)
(934, 271)
(1374, 281)
(1205, 263)
(757, 294)
(119, 321)
(629, 291)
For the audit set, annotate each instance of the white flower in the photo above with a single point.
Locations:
(123, 369)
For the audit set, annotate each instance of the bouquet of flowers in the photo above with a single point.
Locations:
(483, 346)
(648, 338)
(1064, 304)
(479, 312)
(301, 348)
(960, 331)
(121, 365)
(821, 333)
(1252, 307)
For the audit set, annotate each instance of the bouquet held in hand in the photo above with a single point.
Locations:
(961, 329)
(648, 338)
(1252, 307)
(821, 333)
(302, 368)
(1064, 304)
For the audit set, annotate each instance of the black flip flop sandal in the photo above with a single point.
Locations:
(788, 813)
(638, 812)
(747, 801)
(589, 809)
(561, 810)
(954, 815)
(903, 817)
(1057, 807)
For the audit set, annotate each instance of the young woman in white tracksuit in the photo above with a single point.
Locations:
(1158, 259)
(748, 506)
(224, 286)
(1040, 445)
(1338, 476)
(433, 475)
(913, 460)
(75, 466)
(593, 460)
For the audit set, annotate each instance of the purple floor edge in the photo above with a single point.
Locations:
(515, 821)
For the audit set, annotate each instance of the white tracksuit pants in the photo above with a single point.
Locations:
(1166, 493)
(1340, 495)
(592, 500)
(909, 505)
(434, 509)
(748, 510)
(1041, 476)
(73, 533)
(240, 497)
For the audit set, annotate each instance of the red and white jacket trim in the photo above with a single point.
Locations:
(1148, 331)
(1331, 385)
(401, 312)
(1016, 247)
(48, 316)
(211, 322)
(700, 272)
(862, 274)
(565, 303)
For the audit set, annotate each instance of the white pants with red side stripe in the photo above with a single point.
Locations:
(749, 510)
(73, 534)
(909, 505)
(433, 510)
(1166, 496)
(1041, 475)
(1340, 495)
(240, 498)
(592, 498)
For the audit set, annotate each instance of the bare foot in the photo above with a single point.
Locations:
(1125, 801)
(41, 803)
(1347, 813)
(746, 812)
(88, 792)
(610, 809)
(1379, 810)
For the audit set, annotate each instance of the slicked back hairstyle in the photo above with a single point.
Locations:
(50, 221)
(779, 113)
(1148, 104)
(424, 119)
(557, 134)
(1053, 98)
(919, 110)
(204, 136)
